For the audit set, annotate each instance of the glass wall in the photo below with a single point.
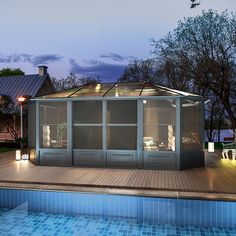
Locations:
(159, 125)
(192, 125)
(87, 125)
(122, 125)
(53, 124)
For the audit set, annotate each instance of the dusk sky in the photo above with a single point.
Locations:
(89, 37)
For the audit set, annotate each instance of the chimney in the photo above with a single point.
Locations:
(43, 70)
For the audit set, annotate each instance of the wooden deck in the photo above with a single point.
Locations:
(218, 176)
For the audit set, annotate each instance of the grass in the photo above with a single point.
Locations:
(218, 145)
(6, 149)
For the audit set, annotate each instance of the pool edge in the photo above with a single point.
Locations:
(121, 191)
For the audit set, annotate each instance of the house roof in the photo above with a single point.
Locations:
(144, 89)
(15, 86)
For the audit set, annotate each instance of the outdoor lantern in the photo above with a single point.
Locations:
(211, 146)
(18, 155)
(21, 99)
(25, 157)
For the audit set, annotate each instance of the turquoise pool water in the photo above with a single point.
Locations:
(60, 213)
(32, 223)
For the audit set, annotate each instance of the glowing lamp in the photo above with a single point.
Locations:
(25, 157)
(21, 99)
(18, 155)
(98, 87)
(211, 146)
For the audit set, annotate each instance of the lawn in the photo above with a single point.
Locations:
(6, 149)
(218, 145)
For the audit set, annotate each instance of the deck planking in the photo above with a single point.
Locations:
(218, 176)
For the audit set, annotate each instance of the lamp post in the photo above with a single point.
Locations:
(21, 100)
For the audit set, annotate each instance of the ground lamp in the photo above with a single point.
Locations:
(211, 146)
(18, 155)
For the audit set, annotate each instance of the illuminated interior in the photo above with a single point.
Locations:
(120, 124)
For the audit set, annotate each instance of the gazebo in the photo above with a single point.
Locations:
(117, 125)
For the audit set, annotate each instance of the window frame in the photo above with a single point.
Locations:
(73, 124)
(173, 124)
(122, 125)
(39, 131)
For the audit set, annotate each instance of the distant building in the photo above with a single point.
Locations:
(12, 87)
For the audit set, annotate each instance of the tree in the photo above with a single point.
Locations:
(72, 81)
(140, 71)
(11, 72)
(201, 52)
(8, 110)
(194, 3)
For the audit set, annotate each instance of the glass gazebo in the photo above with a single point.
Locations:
(123, 125)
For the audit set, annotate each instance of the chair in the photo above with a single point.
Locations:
(149, 144)
(227, 147)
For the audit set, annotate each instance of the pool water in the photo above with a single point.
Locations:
(63, 213)
(22, 223)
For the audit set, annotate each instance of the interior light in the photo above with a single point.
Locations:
(98, 87)
(147, 90)
(188, 105)
(144, 101)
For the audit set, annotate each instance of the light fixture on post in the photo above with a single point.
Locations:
(21, 100)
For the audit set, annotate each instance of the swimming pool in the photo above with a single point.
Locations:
(29, 212)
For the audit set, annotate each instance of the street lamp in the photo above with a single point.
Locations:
(21, 100)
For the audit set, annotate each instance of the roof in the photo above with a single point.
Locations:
(144, 89)
(15, 86)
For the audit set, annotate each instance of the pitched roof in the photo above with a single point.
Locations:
(15, 86)
(140, 89)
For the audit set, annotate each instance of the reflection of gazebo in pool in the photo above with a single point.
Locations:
(135, 125)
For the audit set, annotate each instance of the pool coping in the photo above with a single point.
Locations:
(119, 191)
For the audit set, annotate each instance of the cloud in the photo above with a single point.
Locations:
(5, 59)
(90, 61)
(45, 59)
(34, 60)
(23, 57)
(117, 57)
(107, 72)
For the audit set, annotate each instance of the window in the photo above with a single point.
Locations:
(88, 112)
(159, 125)
(122, 125)
(87, 125)
(122, 112)
(53, 125)
(88, 137)
(122, 137)
(192, 125)
(5, 124)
